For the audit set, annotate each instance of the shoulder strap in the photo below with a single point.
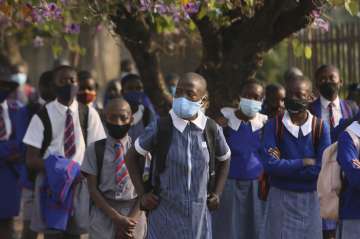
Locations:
(317, 127)
(99, 153)
(355, 139)
(84, 117)
(279, 128)
(44, 117)
(210, 137)
(146, 116)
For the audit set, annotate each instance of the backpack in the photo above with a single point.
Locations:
(45, 119)
(317, 126)
(330, 183)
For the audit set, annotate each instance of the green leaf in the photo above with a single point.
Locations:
(337, 2)
(56, 50)
(352, 6)
(308, 52)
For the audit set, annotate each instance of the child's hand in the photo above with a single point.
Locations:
(309, 162)
(149, 201)
(274, 152)
(125, 227)
(213, 201)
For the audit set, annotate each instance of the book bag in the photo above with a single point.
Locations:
(45, 119)
(330, 183)
(317, 127)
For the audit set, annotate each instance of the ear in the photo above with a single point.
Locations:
(132, 119)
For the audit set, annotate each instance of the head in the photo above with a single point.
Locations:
(251, 96)
(298, 95)
(171, 82)
(328, 81)
(274, 99)
(190, 96)
(291, 74)
(19, 73)
(113, 90)
(87, 88)
(7, 85)
(47, 86)
(66, 84)
(127, 66)
(118, 118)
(354, 92)
(132, 83)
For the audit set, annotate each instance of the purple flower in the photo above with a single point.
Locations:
(72, 28)
(160, 8)
(38, 41)
(191, 7)
(37, 16)
(145, 5)
(320, 23)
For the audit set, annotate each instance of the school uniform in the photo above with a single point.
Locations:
(334, 113)
(182, 211)
(139, 123)
(121, 197)
(241, 213)
(292, 208)
(349, 208)
(34, 137)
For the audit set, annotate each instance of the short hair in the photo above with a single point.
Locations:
(117, 100)
(271, 88)
(325, 67)
(130, 78)
(248, 82)
(291, 73)
(61, 68)
(46, 78)
(172, 76)
(84, 75)
(301, 79)
(126, 64)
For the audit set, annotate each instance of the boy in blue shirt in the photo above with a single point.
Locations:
(292, 151)
(240, 215)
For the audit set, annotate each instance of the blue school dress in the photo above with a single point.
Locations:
(241, 213)
(349, 209)
(292, 209)
(183, 212)
(11, 174)
(348, 110)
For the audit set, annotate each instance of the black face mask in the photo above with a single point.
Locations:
(66, 93)
(117, 131)
(328, 90)
(296, 105)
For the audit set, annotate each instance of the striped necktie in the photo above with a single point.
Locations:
(331, 114)
(69, 136)
(121, 170)
(2, 123)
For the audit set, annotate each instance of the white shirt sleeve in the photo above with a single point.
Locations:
(95, 127)
(35, 133)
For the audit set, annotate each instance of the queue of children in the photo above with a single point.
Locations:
(123, 171)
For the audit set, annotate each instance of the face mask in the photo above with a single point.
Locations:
(328, 90)
(67, 93)
(86, 97)
(250, 107)
(295, 105)
(117, 131)
(172, 90)
(185, 108)
(20, 78)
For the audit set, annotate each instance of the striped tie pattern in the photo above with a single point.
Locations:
(331, 114)
(69, 136)
(2, 124)
(121, 170)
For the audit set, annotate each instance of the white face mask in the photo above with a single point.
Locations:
(20, 78)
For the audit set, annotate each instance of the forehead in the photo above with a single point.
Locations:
(192, 84)
(65, 73)
(118, 108)
(253, 88)
(329, 71)
(299, 86)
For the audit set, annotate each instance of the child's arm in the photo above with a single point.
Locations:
(273, 165)
(33, 159)
(348, 158)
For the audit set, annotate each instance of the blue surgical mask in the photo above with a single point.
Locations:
(20, 78)
(185, 108)
(250, 107)
(172, 90)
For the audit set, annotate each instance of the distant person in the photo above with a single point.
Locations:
(46, 87)
(87, 88)
(354, 93)
(127, 66)
(172, 80)
(113, 90)
(274, 100)
(290, 74)
(24, 91)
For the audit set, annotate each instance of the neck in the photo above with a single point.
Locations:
(240, 115)
(331, 98)
(299, 118)
(65, 103)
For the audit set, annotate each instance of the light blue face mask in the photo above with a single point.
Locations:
(250, 107)
(185, 108)
(172, 90)
(20, 78)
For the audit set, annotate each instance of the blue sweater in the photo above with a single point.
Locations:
(289, 173)
(350, 196)
(244, 145)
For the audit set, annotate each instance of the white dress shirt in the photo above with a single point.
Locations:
(7, 121)
(325, 110)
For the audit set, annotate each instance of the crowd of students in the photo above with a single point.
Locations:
(122, 171)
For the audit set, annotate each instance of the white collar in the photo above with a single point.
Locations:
(138, 115)
(180, 124)
(62, 108)
(294, 129)
(325, 103)
(234, 122)
(355, 128)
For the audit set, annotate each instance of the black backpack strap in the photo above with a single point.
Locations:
(210, 132)
(83, 118)
(99, 153)
(317, 127)
(44, 117)
(279, 129)
(146, 116)
(161, 149)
